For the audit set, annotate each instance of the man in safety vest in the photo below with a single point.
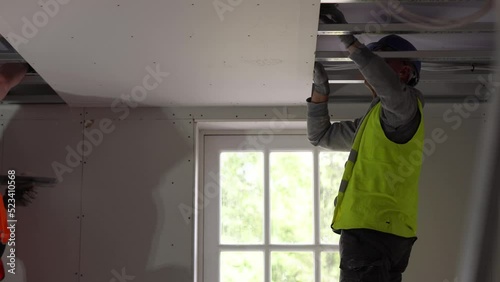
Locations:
(376, 207)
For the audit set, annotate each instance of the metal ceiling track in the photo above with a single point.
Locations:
(466, 56)
(443, 71)
(399, 28)
(11, 58)
(427, 77)
(444, 99)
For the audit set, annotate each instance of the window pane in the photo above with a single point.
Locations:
(291, 184)
(241, 267)
(242, 197)
(292, 266)
(331, 168)
(330, 262)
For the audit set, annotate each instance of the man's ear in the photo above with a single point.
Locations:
(406, 73)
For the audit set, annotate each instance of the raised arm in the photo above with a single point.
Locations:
(399, 101)
(323, 133)
(320, 131)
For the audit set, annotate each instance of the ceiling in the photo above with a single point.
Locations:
(223, 52)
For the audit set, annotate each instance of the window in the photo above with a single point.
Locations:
(267, 209)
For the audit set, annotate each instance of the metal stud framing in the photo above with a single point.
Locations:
(440, 73)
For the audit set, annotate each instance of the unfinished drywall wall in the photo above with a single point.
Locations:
(118, 212)
(47, 234)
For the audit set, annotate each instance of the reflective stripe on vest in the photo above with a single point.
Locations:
(379, 187)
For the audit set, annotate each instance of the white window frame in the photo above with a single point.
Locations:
(316, 247)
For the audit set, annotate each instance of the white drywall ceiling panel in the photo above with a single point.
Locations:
(134, 183)
(242, 52)
(48, 230)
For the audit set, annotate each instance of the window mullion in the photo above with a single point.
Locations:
(317, 237)
(267, 218)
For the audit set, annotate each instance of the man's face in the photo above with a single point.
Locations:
(401, 68)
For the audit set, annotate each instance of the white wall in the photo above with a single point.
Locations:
(118, 211)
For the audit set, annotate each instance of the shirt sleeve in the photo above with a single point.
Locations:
(399, 101)
(323, 133)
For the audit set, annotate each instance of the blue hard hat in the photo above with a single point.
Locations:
(397, 43)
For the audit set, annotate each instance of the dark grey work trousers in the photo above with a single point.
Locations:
(372, 256)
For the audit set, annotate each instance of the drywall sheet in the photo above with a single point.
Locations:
(193, 52)
(48, 231)
(136, 181)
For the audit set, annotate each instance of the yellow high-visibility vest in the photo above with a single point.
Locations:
(379, 188)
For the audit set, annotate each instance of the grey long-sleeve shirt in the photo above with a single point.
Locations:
(400, 116)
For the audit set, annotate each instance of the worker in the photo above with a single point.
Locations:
(11, 75)
(376, 206)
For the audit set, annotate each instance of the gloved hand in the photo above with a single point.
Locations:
(321, 85)
(330, 14)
